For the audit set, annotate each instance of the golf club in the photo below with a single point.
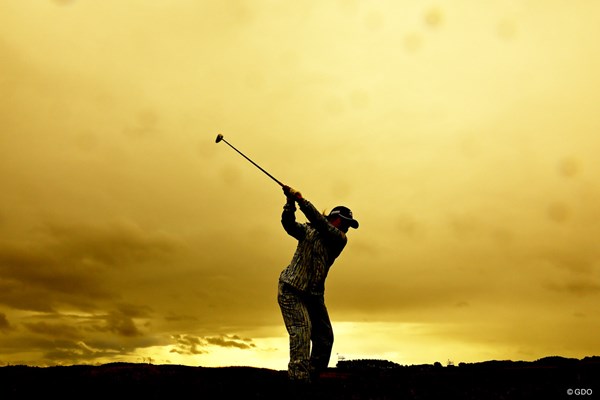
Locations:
(221, 139)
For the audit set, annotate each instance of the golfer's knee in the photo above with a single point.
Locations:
(300, 332)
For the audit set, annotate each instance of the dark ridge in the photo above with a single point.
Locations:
(548, 378)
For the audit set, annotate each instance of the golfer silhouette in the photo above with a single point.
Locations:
(302, 283)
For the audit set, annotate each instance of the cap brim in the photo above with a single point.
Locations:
(353, 223)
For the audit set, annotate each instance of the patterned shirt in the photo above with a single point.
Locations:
(319, 244)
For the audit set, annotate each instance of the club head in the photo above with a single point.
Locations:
(219, 138)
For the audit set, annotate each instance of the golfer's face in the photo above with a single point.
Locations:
(339, 223)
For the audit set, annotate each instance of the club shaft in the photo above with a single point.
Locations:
(255, 164)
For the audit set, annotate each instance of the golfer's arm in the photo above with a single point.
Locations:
(288, 220)
(320, 222)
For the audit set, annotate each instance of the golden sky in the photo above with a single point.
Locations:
(463, 135)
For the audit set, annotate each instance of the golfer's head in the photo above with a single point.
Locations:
(344, 215)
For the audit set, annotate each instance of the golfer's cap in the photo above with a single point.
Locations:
(346, 214)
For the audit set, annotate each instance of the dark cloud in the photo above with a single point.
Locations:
(71, 352)
(35, 278)
(577, 287)
(74, 264)
(55, 330)
(574, 258)
(81, 268)
(53, 351)
(71, 326)
(174, 317)
(4, 324)
(122, 325)
(62, 338)
(116, 244)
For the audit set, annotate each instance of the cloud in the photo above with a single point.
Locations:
(55, 330)
(4, 324)
(189, 344)
(577, 287)
(114, 244)
(75, 264)
(78, 351)
(71, 326)
(122, 324)
(230, 341)
(35, 278)
(79, 337)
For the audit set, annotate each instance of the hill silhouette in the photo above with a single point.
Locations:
(548, 378)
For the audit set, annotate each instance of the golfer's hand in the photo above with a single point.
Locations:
(292, 193)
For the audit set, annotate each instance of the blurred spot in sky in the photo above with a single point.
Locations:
(569, 167)
(507, 29)
(374, 21)
(63, 2)
(413, 42)
(434, 18)
(558, 212)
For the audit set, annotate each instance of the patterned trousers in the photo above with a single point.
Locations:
(306, 319)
